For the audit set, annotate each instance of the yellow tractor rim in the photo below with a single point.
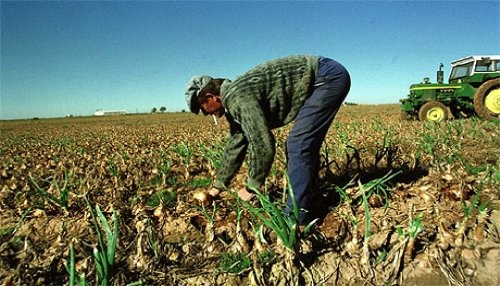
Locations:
(492, 101)
(435, 114)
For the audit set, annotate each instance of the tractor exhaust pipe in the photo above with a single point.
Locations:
(440, 74)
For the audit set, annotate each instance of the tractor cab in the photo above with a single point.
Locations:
(474, 69)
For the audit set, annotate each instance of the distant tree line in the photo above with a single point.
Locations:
(162, 109)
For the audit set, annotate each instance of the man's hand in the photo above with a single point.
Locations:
(214, 192)
(245, 195)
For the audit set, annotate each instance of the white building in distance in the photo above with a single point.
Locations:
(100, 112)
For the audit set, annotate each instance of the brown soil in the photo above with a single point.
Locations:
(147, 168)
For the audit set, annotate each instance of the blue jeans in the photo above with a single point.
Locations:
(303, 144)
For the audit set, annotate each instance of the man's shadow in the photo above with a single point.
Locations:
(325, 197)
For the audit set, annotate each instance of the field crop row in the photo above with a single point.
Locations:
(109, 201)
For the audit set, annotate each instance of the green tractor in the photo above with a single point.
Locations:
(472, 89)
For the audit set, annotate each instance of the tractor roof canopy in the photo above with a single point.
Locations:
(474, 58)
(471, 65)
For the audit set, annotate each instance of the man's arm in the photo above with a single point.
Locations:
(261, 143)
(234, 154)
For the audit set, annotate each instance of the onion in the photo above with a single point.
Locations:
(202, 198)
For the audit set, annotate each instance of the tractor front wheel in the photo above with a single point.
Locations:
(487, 99)
(434, 111)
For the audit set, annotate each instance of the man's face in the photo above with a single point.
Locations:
(212, 105)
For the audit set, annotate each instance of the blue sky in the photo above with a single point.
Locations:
(73, 57)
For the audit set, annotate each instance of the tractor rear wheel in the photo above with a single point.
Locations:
(434, 111)
(487, 99)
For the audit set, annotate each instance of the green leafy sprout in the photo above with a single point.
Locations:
(272, 214)
(104, 253)
(235, 263)
(62, 197)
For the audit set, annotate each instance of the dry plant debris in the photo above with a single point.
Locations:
(436, 221)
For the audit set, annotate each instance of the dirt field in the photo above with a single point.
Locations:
(398, 202)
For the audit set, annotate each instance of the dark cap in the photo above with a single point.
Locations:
(195, 85)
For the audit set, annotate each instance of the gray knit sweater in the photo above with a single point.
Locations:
(266, 97)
